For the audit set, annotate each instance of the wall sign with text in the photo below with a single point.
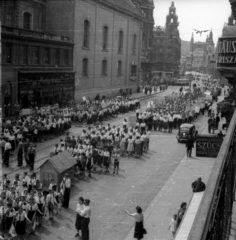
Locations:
(226, 52)
(208, 146)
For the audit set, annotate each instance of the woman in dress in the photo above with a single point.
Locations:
(138, 230)
(79, 209)
(20, 223)
(130, 147)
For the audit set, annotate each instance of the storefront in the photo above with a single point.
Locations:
(45, 88)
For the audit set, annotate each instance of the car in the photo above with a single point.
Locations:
(185, 130)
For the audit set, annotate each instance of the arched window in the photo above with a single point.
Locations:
(134, 43)
(119, 69)
(104, 67)
(27, 21)
(105, 37)
(86, 33)
(85, 67)
(121, 39)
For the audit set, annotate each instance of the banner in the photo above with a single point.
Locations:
(45, 110)
(65, 112)
(105, 105)
(197, 109)
(26, 111)
(132, 121)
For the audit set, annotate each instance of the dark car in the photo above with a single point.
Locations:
(185, 131)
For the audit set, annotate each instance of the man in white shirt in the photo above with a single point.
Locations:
(85, 213)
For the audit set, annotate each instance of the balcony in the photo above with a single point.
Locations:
(34, 34)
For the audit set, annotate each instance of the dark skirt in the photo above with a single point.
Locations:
(20, 227)
(8, 222)
(138, 230)
(40, 207)
(66, 198)
(85, 228)
(31, 215)
(78, 222)
(106, 161)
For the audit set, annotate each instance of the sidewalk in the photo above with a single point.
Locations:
(43, 149)
(176, 190)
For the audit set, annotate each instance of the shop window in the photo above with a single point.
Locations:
(35, 55)
(66, 57)
(46, 56)
(57, 56)
(134, 43)
(133, 70)
(8, 50)
(105, 37)
(121, 40)
(9, 16)
(27, 21)
(119, 70)
(85, 67)
(24, 55)
(104, 67)
(86, 33)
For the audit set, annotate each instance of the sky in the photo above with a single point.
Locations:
(195, 14)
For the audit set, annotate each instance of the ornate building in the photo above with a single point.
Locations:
(167, 47)
(147, 6)
(108, 39)
(37, 66)
(202, 55)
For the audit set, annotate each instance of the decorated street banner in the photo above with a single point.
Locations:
(105, 105)
(197, 109)
(132, 121)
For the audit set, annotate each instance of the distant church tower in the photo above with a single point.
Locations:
(172, 21)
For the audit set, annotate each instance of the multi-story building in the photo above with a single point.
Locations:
(167, 47)
(108, 39)
(147, 6)
(202, 55)
(37, 66)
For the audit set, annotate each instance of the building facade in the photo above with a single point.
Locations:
(147, 6)
(201, 57)
(108, 38)
(37, 66)
(167, 47)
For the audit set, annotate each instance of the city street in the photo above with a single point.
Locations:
(138, 183)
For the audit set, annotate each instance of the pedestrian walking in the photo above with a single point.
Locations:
(7, 152)
(20, 153)
(85, 214)
(31, 156)
(210, 121)
(139, 230)
(116, 156)
(67, 183)
(173, 225)
(79, 208)
(189, 145)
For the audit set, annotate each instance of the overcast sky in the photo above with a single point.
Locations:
(197, 14)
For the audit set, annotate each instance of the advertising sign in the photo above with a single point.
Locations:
(226, 52)
(208, 146)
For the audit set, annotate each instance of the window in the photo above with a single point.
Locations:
(27, 21)
(66, 57)
(134, 43)
(119, 69)
(85, 67)
(57, 56)
(8, 53)
(133, 70)
(9, 16)
(46, 56)
(24, 55)
(104, 67)
(47, 178)
(35, 55)
(105, 37)
(121, 39)
(86, 33)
